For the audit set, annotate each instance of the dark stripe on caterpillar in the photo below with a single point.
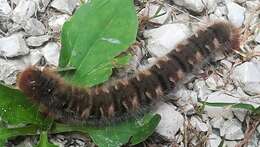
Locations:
(118, 100)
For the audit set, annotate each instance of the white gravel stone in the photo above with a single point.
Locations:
(188, 109)
(211, 5)
(219, 97)
(247, 76)
(230, 143)
(187, 95)
(171, 121)
(194, 5)
(215, 82)
(251, 5)
(150, 11)
(37, 41)
(186, 100)
(198, 124)
(201, 88)
(66, 6)
(219, 14)
(240, 114)
(258, 129)
(253, 142)
(34, 27)
(257, 37)
(24, 10)
(231, 130)
(213, 141)
(13, 46)
(239, 1)
(217, 122)
(5, 9)
(34, 57)
(10, 69)
(42, 4)
(56, 22)
(226, 64)
(236, 14)
(165, 38)
(7, 72)
(257, 48)
(51, 53)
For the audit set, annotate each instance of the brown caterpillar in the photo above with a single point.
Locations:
(117, 100)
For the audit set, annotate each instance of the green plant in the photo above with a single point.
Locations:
(91, 42)
(255, 110)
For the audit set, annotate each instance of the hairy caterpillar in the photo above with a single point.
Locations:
(117, 100)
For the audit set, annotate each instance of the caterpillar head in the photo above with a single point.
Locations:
(27, 80)
(227, 35)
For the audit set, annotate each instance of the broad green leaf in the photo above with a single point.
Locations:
(16, 109)
(118, 134)
(146, 130)
(121, 60)
(2, 142)
(98, 32)
(44, 140)
(94, 36)
(6, 133)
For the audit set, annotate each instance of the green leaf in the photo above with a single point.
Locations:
(98, 32)
(146, 130)
(2, 142)
(44, 140)
(118, 134)
(231, 105)
(257, 111)
(92, 40)
(16, 109)
(121, 60)
(6, 133)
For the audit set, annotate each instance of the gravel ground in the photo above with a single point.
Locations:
(29, 34)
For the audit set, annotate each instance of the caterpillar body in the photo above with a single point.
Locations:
(121, 99)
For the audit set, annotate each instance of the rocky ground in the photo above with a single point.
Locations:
(29, 34)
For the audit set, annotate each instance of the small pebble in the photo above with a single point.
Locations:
(5, 9)
(42, 5)
(171, 121)
(257, 37)
(240, 114)
(198, 124)
(236, 14)
(201, 88)
(51, 53)
(247, 76)
(193, 5)
(150, 11)
(65, 6)
(13, 46)
(24, 10)
(215, 82)
(34, 27)
(37, 41)
(165, 38)
(214, 140)
(56, 22)
(231, 130)
(217, 122)
(10, 69)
